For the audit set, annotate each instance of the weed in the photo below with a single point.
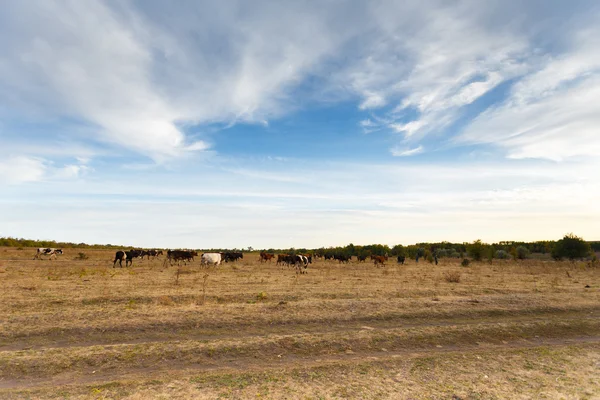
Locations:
(452, 276)
(81, 256)
(261, 296)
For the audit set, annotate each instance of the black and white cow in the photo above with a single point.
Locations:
(47, 251)
(128, 256)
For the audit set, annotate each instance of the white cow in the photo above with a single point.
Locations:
(45, 251)
(210, 259)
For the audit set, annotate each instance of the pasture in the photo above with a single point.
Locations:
(79, 328)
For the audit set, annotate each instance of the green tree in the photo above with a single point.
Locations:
(571, 247)
(522, 252)
(476, 250)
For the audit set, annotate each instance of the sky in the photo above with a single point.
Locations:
(277, 124)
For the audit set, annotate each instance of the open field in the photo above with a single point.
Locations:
(73, 328)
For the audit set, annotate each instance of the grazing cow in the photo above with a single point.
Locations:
(180, 255)
(154, 253)
(282, 259)
(231, 256)
(47, 251)
(209, 259)
(128, 256)
(379, 260)
(342, 258)
(264, 257)
(361, 257)
(401, 260)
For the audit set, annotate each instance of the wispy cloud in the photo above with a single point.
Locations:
(407, 152)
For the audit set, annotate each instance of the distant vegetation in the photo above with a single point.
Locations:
(14, 242)
(569, 247)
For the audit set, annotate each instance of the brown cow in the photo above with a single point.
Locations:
(266, 256)
(379, 260)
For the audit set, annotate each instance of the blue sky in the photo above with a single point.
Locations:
(299, 124)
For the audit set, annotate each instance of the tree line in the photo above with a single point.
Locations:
(569, 247)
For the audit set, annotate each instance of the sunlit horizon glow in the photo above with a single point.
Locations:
(307, 125)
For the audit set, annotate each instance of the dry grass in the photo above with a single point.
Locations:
(82, 329)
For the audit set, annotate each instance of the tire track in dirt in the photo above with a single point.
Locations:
(171, 332)
(174, 369)
(47, 362)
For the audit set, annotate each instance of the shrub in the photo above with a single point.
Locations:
(502, 255)
(571, 247)
(465, 262)
(452, 276)
(429, 257)
(476, 250)
(81, 256)
(522, 252)
(261, 296)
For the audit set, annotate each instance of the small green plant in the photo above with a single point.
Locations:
(261, 296)
(465, 262)
(81, 256)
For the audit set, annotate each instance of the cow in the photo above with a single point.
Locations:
(209, 259)
(128, 256)
(299, 262)
(264, 257)
(180, 255)
(342, 258)
(47, 251)
(153, 253)
(282, 259)
(401, 259)
(379, 260)
(231, 256)
(361, 257)
(309, 257)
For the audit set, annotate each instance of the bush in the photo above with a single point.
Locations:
(522, 252)
(429, 257)
(476, 250)
(571, 247)
(502, 255)
(82, 256)
(452, 276)
(465, 262)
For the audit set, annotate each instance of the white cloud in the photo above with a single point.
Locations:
(19, 169)
(396, 152)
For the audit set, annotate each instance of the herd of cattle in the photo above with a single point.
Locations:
(299, 261)
(177, 256)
